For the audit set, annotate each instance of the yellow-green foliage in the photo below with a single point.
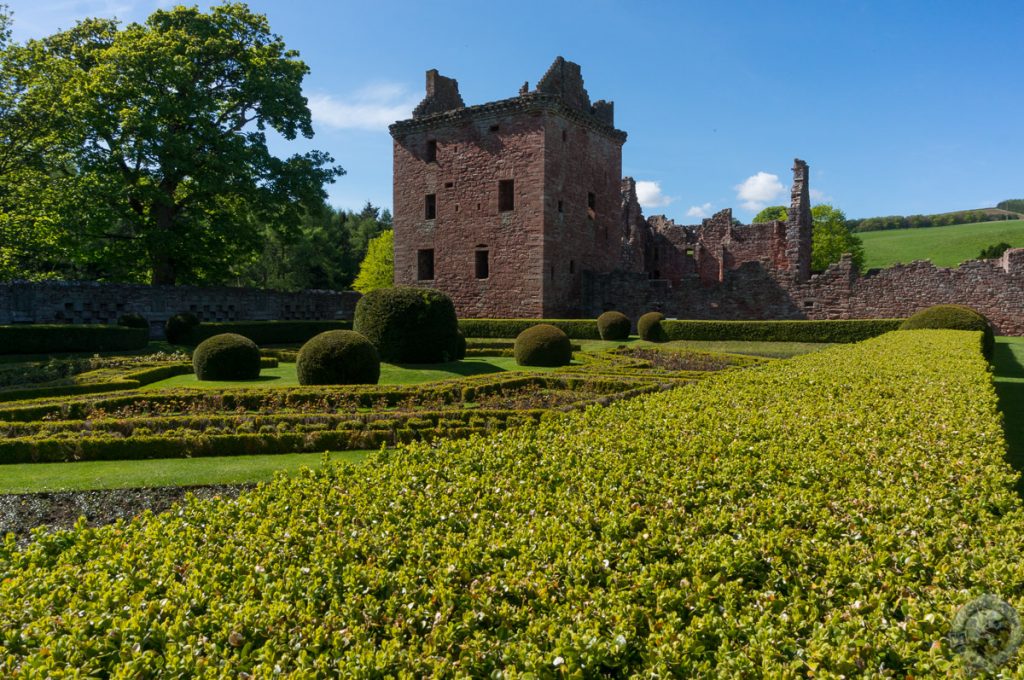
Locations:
(377, 270)
(820, 516)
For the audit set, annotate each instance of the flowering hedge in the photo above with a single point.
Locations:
(821, 516)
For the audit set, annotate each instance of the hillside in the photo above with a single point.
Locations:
(945, 246)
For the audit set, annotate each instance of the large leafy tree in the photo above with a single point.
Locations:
(831, 238)
(164, 128)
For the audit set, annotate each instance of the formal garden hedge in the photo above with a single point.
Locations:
(267, 332)
(577, 329)
(56, 338)
(824, 516)
(840, 330)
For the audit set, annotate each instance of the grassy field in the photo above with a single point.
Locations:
(122, 474)
(945, 246)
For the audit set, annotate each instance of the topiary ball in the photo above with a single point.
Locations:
(132, 320)
(543, 345)
(408, 325)
(614, 326)
(338, 358)
(227, 356)
(458, 350)
(179, 327)
(955, 317)
(649, 327)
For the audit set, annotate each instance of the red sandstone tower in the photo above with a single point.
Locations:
(504, 205)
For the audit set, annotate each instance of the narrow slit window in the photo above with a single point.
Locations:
(430, 207)
(431, 150)
(494, 128)
(425, 264)
(591, 204)
(506, 195)
(483, 265)
(560, 207)
(572, 266)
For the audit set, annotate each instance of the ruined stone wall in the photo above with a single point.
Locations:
(103, 303)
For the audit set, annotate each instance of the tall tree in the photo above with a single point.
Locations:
(164, 124)
(832, 239)
(772, 213)
(377, 269)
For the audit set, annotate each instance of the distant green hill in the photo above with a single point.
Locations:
(945, 246)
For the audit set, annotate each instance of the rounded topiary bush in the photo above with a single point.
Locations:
(408, 325)
(649, 327)
(227, 356)
(178, 328)
(614, 326)
(458, 350)
(543, 345)
(132, 320)
(955, 317)
(338, 358)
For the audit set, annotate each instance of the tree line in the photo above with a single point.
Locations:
(139, 153)
(923, 221)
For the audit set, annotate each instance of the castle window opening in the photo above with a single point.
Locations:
(494, 128)
(449, 185)
(689, 252)
(425, 264)
(431, 150)
(430, 207)
(572, 266)
(560, 207)
(591, 204)
(483, 268)
(506, 195)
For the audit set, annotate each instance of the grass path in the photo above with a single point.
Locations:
(945, 246)
(1009, 381)
(121, 474)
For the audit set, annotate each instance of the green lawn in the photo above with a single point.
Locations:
(945, 246)
(1009, 380)
(120, 474)
(390, 374)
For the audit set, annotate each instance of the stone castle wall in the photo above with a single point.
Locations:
(103, 303)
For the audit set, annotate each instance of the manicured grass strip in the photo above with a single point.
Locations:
(116, 474)
(945, 246)
(1009, 381)
(824, 516)
(390, 374)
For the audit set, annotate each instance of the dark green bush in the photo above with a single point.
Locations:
(133, 321)
(577, 329)
(338, 358)
(54, 338)
(227, 356)
(650, 327)
(267, 332)
(178, 328)
(543, 345)
(614, 326)
(408, 325)
(840, 330)
(954, 317)
(458, 351)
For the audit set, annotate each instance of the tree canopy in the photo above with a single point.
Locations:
(831, 236)
(377, 269)
(153, 144)
(771, 213)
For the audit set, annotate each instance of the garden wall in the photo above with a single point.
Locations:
(103, 303)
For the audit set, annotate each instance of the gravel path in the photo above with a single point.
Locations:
(20, 513)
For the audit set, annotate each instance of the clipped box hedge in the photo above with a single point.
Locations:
(56, 338)
(825, 516)
(839, 330)
(577, 329)
(267, 332)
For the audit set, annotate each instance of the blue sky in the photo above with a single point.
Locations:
(899, 107)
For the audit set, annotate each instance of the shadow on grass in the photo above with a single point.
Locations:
(463, 368)
(1009, 383)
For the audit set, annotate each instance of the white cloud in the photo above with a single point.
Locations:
(759, 190)
(649, 194)
(819, 196)
(700, 211)
(372, 108)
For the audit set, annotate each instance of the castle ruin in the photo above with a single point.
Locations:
(517, 208)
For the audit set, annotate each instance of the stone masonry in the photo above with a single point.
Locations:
(515, 209)
(91, 302)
